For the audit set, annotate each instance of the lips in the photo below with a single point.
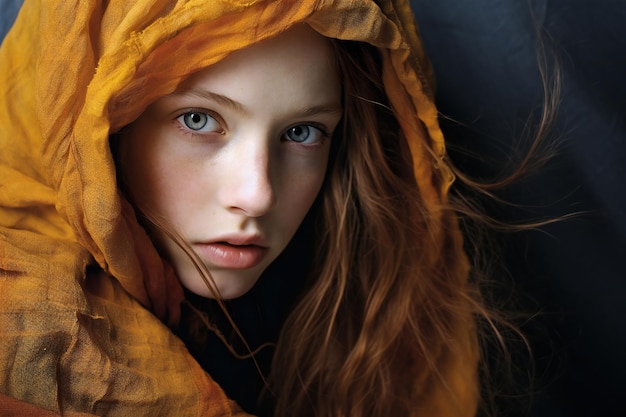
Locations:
(234, 253)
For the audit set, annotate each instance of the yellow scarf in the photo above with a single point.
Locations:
(72, 73)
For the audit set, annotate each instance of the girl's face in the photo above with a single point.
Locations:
(234, 159)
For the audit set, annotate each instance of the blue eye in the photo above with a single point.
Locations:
(304, 134)
(199, 122)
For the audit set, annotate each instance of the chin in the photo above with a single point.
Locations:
(231, 293)
(229, 286)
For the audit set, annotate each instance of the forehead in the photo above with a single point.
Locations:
(296, 65)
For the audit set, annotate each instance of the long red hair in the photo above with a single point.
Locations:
(388, 302)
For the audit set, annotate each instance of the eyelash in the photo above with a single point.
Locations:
(198, 132)
(323, 132)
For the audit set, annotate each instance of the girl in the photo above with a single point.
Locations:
(285, 155)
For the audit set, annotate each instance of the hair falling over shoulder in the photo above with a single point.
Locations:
(385, 326)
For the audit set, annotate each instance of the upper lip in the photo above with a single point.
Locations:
(238, 239)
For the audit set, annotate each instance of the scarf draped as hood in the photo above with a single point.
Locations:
(76, 341)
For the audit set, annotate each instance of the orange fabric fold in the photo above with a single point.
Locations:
(84, 293)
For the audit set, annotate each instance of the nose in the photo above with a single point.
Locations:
(248, 187)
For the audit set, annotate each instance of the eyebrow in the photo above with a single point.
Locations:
(321, 109)
(228, 102)
(218, 98)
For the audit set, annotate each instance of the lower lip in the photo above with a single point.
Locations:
(223, 255)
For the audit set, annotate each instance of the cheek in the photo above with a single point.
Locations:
(301, 194)
(143, 170)
(165, 187)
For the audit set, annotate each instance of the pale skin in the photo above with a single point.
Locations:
(234, 159)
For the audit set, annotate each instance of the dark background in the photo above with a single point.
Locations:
(570, 277)
(573, 272)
